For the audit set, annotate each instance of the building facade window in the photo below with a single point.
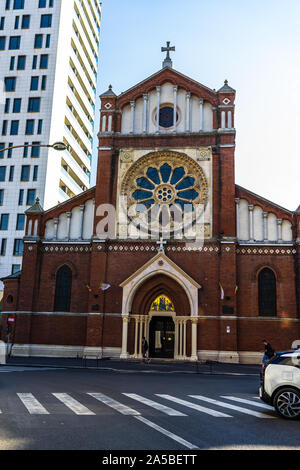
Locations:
(267, 293)
(62, 301)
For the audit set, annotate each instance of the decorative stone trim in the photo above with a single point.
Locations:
(131, 248)
(266, 251)
(66, 249)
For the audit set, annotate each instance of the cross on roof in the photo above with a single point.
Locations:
(168, 62)
(161, 244)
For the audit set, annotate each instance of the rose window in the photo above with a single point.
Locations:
(165, 182)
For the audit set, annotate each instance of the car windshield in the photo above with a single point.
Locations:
(288, 358)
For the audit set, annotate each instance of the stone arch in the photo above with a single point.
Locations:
(157, 285)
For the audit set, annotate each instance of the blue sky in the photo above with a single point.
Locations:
(254, 44)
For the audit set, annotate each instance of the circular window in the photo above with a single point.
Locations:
(166, 117)
(163, 184)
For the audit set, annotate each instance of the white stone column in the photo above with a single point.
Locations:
(69, 217)
(223, 120)
(55, 221)
(194, 356)
(136, 336)
(265, 222)
(82, 207)
(176, 338)
(104, 123)
(201, 114)
(140, 335)
(251, 220)
(184, 338)
(229, 120)
(237, 211)
(147, 323)
(175, 90)
(279, 230)
(132, 105)
(145, 124)
(157, 108)
(180, 338)
(124, 352)
(109, 123)
(188, 112)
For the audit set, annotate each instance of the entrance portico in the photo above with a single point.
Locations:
(160, 278)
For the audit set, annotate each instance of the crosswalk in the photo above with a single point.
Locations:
(136, 405)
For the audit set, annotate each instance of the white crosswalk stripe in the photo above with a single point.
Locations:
(32, 404)
(249, 402)
(154, 404)
(216, 414)
(232, 407)
(125, 410)
(73, 404)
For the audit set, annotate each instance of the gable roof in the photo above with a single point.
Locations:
(164, 75)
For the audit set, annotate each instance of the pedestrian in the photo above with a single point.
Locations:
(144, 347)
(269, 351)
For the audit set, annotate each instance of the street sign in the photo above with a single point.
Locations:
(10, 320)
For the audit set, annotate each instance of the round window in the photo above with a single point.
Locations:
(166, 117)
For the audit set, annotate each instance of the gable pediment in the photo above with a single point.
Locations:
(167, 75)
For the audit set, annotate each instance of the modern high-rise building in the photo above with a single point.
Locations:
(48, 73)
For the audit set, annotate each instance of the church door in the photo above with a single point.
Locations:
(161, 337)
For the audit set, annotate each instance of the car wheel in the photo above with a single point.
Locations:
(287, 403)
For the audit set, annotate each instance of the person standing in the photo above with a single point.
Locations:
(145, 347)
(269, 351)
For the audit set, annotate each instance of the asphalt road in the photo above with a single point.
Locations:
(68, 409)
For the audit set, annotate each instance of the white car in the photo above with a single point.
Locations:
(280, 384)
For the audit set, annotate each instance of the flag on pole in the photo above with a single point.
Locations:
(104, 286)
(235, 290)
(222, 291)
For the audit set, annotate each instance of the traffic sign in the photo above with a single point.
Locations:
(10, 320)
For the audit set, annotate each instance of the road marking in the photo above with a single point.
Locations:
(154, 404)
(125, 410)
(73, 404)
(249, 402)
(32, 404)
(232, 407)
(216, 414)
(169, 434)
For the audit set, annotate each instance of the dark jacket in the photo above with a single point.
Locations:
(269, 351)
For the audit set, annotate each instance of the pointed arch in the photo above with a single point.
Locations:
(267, 302)
(63, 287)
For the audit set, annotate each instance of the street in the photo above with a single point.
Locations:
(67, 409)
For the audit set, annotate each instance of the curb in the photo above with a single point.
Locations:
(130, 371)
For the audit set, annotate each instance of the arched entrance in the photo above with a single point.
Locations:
(160, 278)
(161, 313)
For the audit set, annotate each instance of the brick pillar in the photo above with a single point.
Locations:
(227, 308)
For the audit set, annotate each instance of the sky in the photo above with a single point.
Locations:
(254, 44)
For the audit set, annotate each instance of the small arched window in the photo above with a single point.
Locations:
(267, 293)
(63, 286)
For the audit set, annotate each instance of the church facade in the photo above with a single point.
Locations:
(166, 246)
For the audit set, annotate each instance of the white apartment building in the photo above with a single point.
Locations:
(48, 73)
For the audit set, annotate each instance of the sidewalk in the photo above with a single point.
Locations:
(136, 365)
